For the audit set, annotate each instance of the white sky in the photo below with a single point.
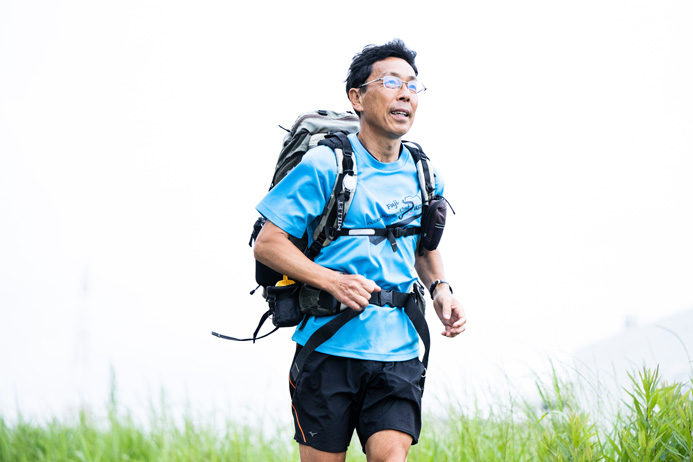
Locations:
(136, 138)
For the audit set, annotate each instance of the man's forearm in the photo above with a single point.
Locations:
(274, 249)
(429, 267)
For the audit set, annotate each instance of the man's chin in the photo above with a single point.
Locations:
(402, 129)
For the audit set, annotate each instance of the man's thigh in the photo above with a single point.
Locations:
(325, 403)
(392, 401)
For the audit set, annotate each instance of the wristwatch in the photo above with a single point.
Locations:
(435, 284)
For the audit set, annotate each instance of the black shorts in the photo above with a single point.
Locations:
(335, 395)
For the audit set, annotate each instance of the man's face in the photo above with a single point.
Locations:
(385, 111)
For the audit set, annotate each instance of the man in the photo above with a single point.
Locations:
(365, 377)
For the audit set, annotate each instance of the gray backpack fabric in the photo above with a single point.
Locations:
(306, 132)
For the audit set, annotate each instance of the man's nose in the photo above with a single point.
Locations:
(404, 93)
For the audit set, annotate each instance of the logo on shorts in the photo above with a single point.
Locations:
(313, 433)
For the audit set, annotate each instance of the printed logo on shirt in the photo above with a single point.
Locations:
(399, 210)
(411, 206)
(405, 211)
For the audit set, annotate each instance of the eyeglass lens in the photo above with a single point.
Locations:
(396, 83)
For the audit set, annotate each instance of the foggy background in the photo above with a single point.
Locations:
(136, 138)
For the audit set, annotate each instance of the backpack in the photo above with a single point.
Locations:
(287, 300)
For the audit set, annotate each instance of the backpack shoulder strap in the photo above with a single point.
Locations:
(424, 171)
(334, 213)
(427, 183)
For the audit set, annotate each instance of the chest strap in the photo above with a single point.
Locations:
(390, 233)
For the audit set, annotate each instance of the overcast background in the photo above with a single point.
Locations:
(136, 138)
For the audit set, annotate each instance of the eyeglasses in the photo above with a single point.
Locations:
(395, 83)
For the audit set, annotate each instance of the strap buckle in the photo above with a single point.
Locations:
(385, 297)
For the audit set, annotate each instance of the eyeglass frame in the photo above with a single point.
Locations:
(402, 82)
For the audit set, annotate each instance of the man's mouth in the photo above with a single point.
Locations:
(400, 113)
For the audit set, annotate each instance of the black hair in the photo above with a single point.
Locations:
(362, 64)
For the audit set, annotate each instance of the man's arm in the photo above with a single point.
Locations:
(274, 249)
(429, 267)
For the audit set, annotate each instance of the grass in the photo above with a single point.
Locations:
(653, 423)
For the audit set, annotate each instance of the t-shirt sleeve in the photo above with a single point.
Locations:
(300, 197)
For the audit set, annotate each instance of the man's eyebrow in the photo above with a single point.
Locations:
(399, 76)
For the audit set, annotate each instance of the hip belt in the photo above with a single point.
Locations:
(412, 302)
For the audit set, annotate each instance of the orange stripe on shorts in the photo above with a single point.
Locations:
(298, 423)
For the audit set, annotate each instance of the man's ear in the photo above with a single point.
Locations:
(355, 98)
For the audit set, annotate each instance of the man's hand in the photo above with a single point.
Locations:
(449, 311)
(352, 290)
(429, 266)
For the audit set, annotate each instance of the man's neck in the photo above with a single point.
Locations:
(385, 150)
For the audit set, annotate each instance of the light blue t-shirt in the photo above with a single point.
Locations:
(386, 194)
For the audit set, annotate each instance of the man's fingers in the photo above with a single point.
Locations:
(355, 291)
(452, 332)
(356, 302)
(447, 311)
(453, 318)
(369, 287)
(460, 320)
